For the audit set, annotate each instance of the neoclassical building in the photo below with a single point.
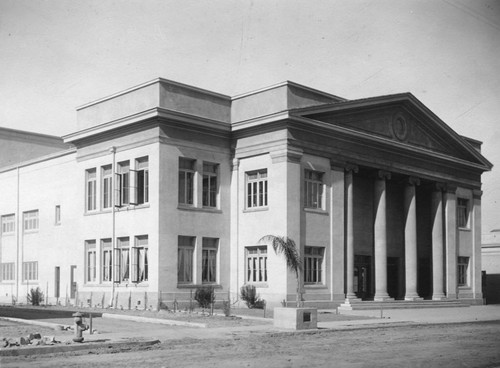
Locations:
(166, 187)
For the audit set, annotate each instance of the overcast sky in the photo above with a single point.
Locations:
(57, 55)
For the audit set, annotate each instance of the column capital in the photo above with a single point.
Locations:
(235, 164)
(412, 181)
(451, 188)
(477, 194)
(438, 187)
(351, 167)
(383, 174)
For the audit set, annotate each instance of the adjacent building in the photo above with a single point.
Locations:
(166, 187)
(490, 260)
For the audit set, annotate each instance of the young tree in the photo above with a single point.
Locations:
(286, 246)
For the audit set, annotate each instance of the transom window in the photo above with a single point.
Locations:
(91, 190)
(185, 259)
(8, 224)
(313, 265)
(463, 271)
(209, 260)
(210, 184)
(256, 264)
(186, 181)
(313, 189)
(257, 189)
(463, 212)
(30, 220)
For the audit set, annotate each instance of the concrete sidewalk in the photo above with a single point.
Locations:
(115, 331)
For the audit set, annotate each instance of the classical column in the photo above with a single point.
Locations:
(380, 230)
(350, 169)
(437, 242)
(411, 239)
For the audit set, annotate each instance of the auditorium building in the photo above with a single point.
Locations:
(165, 188)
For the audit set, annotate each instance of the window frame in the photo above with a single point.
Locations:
(256, 271)
(140, 272)
(107, 186)
(186, 244)
(90, 267)
(257, 189)
(463, 213)
(31, 218)
(314, 190)
(8, 271)
(57, 215)
(91, 190)
(209, 256)
(106, 263)
(122, 265)
(186, 182)
(141, 174)
(463, 265)
(8, 224)
(313, 265)
(210, 190)
(30, 269)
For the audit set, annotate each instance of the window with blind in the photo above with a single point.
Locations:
(185, 254)
(209, 260)
(140, 259)
(256, 264)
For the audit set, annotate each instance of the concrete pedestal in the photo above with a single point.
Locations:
(296, 318)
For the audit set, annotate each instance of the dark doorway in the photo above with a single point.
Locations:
(424, 278)
(362, 277)
(393, 277)
(73, 287)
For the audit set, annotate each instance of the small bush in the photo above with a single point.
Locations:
(205, 296)
(35, 297)
(250, 297)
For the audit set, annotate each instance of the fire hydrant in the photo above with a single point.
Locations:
(79, 327)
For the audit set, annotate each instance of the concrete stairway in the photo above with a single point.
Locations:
(401, 304)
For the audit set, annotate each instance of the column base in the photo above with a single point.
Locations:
(438, 297)
(413, 298)
(382, 298)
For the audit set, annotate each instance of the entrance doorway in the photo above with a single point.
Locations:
(362, 277)
(393, 277)
(57, 282)
(424, 278)
(73, 286)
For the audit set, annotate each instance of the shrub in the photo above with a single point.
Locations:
(35, 297)
(205, 296)
(250, 297)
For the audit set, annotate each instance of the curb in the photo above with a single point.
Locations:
(81, 346)
(55, 326)
(160, 321)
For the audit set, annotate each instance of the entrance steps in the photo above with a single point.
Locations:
(400, 304)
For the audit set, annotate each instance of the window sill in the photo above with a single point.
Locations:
(198, 209)
(467, 229)
(195, 286)
(8, 234)
(255, 209)
(27, 232)
(464, 287)
(318, 211)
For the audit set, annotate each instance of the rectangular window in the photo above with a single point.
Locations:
(123, 184)
(209, 260)
(257, 189)
(210, 184)
(186, 181)
(8, 224)
(313, 265)
(122, 260)
(30, 271)
(256, 264)
(185, 259)
(8, 271)
(463, 212)
(463, 271)
(107, 260)
(91, 190)
(57, 215)
(30, 220)
(142, 180)
(107, 186)
(140, 259)
(313, 189)
(90, 260)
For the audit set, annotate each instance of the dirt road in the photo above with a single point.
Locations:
(457, 345)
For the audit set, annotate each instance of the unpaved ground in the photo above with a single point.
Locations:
(456, 345)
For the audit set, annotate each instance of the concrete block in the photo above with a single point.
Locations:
(296, 318)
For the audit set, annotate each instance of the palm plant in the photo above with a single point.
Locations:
(286, 246)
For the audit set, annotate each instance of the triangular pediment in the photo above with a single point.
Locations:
(399, 119)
